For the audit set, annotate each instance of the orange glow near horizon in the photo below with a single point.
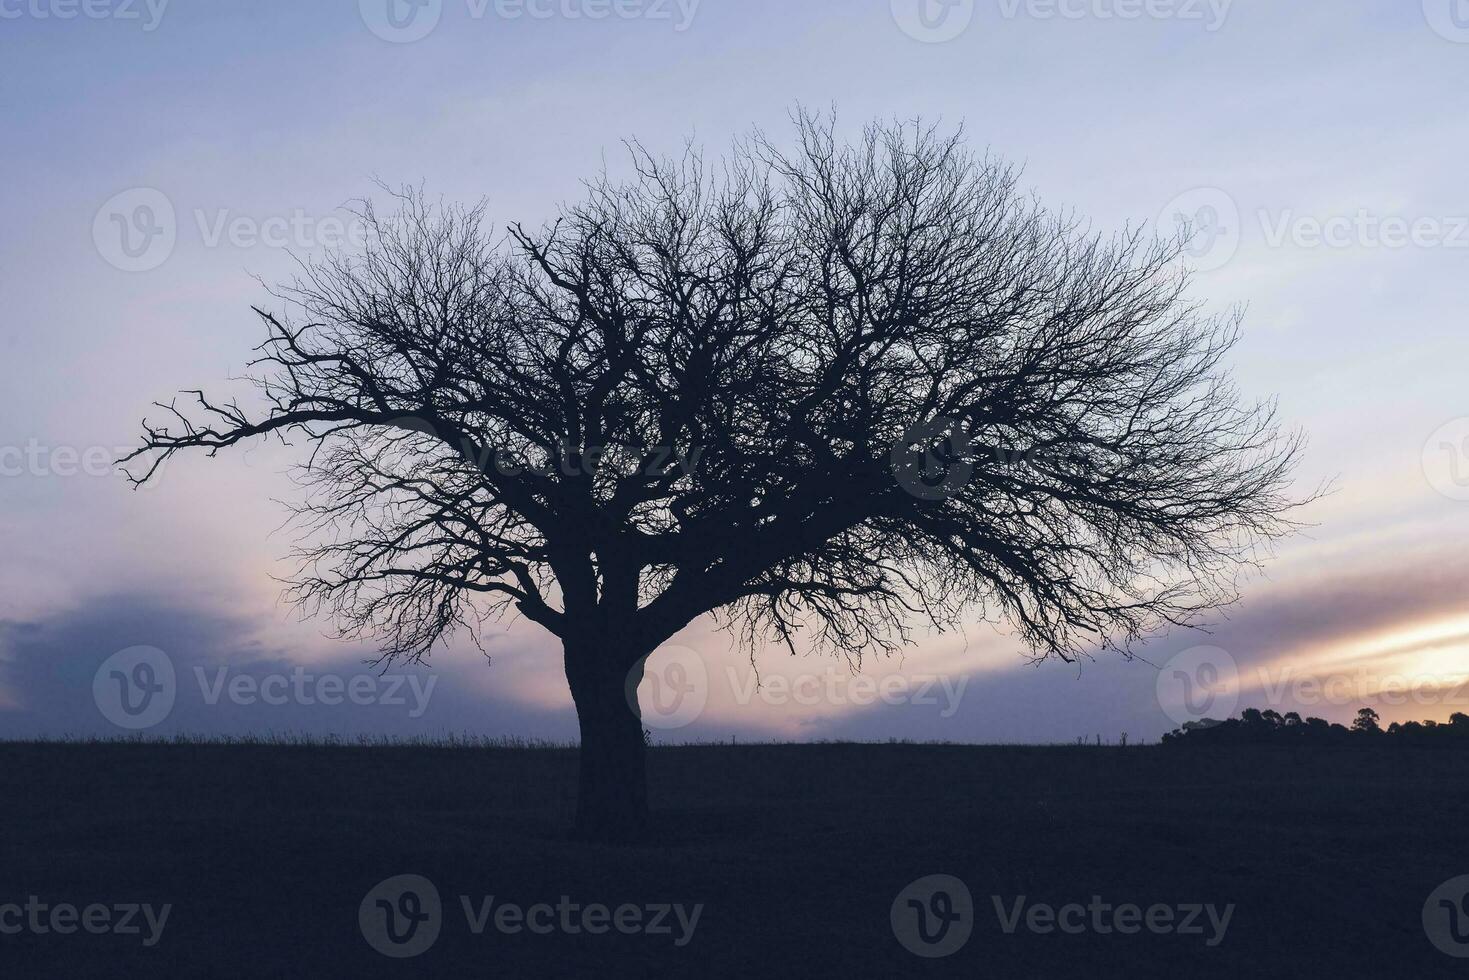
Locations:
(1414, 671)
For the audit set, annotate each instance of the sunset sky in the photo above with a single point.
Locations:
(1322, 148)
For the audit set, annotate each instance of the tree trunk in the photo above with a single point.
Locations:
(612, 791)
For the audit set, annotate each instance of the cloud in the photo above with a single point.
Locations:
(228, 666)
(228, 679)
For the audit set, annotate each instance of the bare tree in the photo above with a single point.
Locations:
(833, 390)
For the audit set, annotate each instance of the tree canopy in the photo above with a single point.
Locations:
(693, 390)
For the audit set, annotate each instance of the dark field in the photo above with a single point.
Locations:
(795, 852)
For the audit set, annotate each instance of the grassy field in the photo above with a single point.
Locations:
(793, 854)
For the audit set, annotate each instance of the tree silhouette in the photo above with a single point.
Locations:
(894, 389)
(1366, 722)
(1254, 726)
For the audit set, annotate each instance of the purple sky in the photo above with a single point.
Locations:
(1322, 146)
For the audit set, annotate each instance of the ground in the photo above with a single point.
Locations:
(796, 854)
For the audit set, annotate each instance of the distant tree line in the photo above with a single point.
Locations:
(1254, 725)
